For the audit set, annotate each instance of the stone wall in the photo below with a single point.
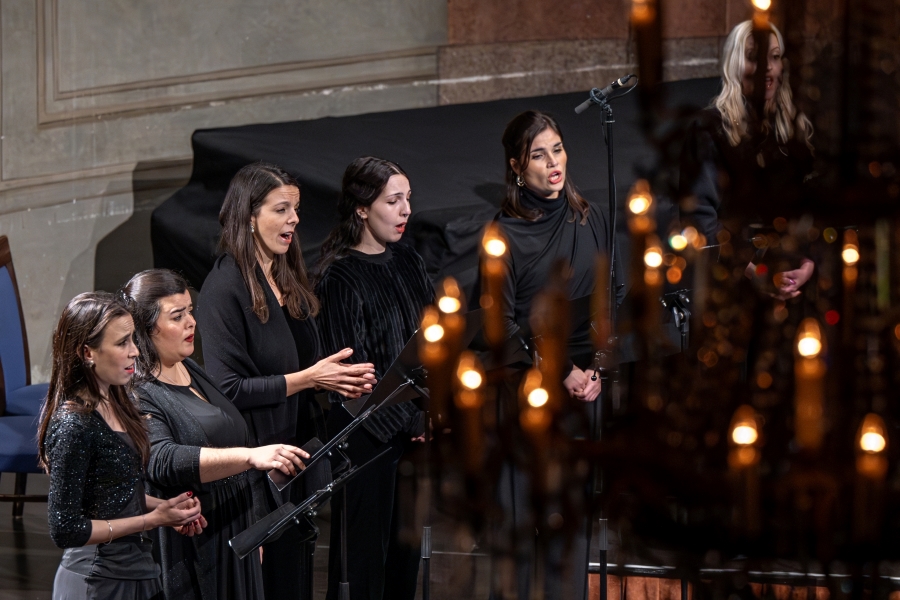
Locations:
(98, 99)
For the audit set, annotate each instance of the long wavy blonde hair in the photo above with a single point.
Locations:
(730, 101)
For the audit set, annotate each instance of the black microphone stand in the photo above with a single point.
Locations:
(604, 362)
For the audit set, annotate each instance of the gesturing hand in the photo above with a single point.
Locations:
(285, 458)
(350, 380)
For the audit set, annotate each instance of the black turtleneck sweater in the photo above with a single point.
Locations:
(373, 303)
(534, 249)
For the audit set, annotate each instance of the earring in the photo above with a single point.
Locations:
(89, 364)
(519, 181)
(251, 228)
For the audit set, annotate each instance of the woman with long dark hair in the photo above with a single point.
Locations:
(372, 291)
(546, 222)
(198, 441)
(93, 443)
(256, 315)
(739, 167)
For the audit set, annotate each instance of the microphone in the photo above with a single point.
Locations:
(601, 96)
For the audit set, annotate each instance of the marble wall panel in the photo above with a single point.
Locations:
(493, 21)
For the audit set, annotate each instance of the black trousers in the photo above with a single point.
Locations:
(379, 565)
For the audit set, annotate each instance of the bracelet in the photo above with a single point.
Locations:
(108, 524)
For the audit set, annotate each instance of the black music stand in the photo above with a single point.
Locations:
(275, 523)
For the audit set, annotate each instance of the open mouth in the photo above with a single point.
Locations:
(189, 339)
(555, 177)
(130, 369)
(401, 227)
(287, 236)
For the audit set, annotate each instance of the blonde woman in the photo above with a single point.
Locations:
(740, 170)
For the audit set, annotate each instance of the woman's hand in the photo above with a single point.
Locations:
(591, 387)
(285, 458)
(790, 282)
(350, 380)
(192, 529)
(174, 512)
(575, 382)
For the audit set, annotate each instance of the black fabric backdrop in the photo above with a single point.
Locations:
(452, 154)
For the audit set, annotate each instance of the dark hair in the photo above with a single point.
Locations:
(143, 293)
(517, 139)
(73, 384)
(364, 180)
(246, 194)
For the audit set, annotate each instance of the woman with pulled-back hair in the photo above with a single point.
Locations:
(256, 315)
(372, 291)
(93, 443)
(198, 441)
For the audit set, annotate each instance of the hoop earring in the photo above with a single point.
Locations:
(519, 181)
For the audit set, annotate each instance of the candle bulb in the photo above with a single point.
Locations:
(761, 33)
(871, 469)
(493, 273)
(743, 460)
(809, 386)
(468, 399)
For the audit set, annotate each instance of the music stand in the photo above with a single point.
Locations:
(275, 523)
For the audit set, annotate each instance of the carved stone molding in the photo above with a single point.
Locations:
(59, 106)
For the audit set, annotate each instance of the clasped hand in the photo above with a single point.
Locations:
(581, 386)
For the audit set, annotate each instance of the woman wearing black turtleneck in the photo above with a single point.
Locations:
(372, 292)
(545, 221)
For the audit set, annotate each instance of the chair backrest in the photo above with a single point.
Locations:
(16, 367)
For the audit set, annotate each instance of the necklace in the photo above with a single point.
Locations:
(179, 371)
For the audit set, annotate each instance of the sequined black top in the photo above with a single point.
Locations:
(372, 303)
(93, 475)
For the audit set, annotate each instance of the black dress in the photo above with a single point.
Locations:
(739, 188)
(373, 303)
(204, 566)
(96, 474)
(248, 360)
(536, 249)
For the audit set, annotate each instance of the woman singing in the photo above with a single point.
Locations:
(93, 443)
(546, 222)
(738, 166)
(198, 442)
(372, 292)
(256, 316)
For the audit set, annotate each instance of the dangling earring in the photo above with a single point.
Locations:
(251, 228)
(519, 181)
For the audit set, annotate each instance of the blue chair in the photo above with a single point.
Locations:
(20, 402)
(17, 395)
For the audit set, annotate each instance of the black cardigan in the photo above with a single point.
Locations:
(247, 358)
(93, 475)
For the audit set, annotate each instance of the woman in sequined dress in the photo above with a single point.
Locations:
(198, 441)
(94, 446)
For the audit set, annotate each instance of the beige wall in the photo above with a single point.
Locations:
(94, 91)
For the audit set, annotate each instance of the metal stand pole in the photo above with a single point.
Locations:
(344, 588)
(604, 548)
(426, 562)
